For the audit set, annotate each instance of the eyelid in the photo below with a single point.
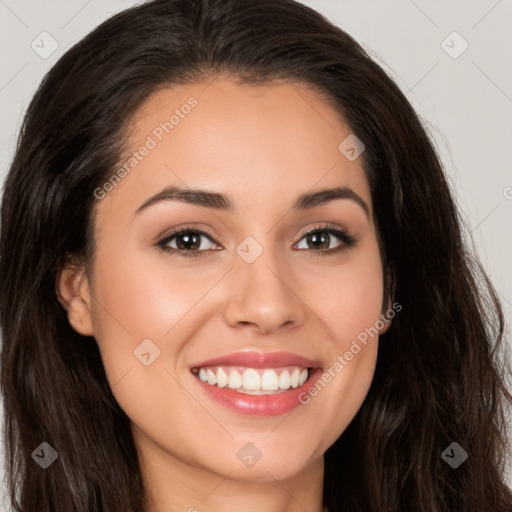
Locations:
(179, 229)
(165, 238)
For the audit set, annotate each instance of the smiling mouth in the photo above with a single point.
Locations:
(254, 381)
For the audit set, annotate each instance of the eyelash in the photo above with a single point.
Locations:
(347, 240)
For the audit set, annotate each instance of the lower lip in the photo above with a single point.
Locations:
(260, 405)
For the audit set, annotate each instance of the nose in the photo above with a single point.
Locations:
(263, 295)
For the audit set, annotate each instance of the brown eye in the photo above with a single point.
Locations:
(187, 242)
(320, 240)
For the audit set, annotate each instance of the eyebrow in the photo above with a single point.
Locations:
(221, 202)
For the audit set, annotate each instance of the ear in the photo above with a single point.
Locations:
(73, 292)
(385, 318)
(389, 292)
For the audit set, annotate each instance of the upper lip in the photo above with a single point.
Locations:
(260, 360)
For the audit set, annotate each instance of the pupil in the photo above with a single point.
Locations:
(188, 239)
(318, 237)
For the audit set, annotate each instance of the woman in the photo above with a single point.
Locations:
(171, 341)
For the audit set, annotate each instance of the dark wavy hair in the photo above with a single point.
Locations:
(439, 377)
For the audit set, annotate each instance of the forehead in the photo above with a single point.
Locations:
(253, 143)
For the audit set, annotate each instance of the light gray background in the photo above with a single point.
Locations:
(466, 102)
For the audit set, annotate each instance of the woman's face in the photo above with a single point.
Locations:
(255, 282)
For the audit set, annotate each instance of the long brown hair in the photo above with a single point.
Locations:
(439, 378)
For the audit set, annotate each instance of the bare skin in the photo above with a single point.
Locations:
(262, 147)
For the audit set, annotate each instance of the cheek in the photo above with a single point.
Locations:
(140, 305)
(349, 305)
(141, 298)
(348, 298)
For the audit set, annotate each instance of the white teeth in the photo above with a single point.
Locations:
(210, 377)
(235, 380)
(255, 381)
(284, 380)
(222, 378)
(294, 378)
(269, 381)
(251, 380)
